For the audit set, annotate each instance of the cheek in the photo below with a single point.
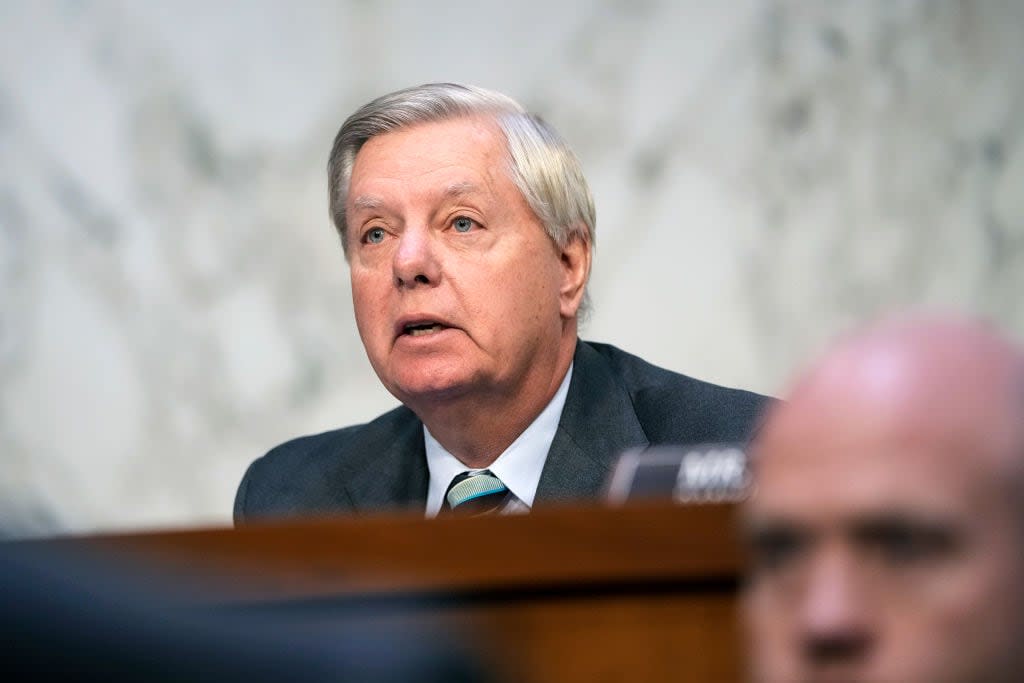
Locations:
(957, 619)
(763, 623)
(368, 304)
(520, 286)
(544, 283)
(770, 637)
(536, 305)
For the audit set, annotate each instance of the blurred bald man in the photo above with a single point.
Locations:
(887, 528)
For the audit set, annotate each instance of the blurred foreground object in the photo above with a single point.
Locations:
(566, 595)
(68, 615)
(887, 525)
(701, 473)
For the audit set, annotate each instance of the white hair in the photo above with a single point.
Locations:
(541, 164)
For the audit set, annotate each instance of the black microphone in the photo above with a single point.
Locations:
(703, 473)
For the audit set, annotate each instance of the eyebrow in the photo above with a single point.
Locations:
(460, 189)
(368, 202)
(866, 527)
(758, 531)
(897, 523)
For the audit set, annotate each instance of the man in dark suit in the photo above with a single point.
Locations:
(469, 229)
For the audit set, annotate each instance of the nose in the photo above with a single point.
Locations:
(834, 614)
(416, 260)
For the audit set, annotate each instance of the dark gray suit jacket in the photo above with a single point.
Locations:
(616, 401)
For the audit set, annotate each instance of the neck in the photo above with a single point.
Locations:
(477, 428)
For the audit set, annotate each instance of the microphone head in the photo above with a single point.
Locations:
(702, 473)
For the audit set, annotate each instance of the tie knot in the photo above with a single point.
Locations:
(476, 493)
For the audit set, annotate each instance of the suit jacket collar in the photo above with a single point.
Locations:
(597, 424)
(390, 467)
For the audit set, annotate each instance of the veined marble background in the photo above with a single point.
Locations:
(174, 302)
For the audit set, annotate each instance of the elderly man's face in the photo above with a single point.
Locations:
(884, 548)
(458, 290)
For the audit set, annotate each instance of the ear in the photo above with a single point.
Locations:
(575, 260)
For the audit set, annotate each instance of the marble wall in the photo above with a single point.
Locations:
(173, 300)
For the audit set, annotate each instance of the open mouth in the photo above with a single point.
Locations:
(422, 329)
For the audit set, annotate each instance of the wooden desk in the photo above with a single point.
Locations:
(560, 595)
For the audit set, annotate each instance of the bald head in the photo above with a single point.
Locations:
(954, 383)
(886, 528)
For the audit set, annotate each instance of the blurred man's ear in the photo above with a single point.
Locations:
(575, 257)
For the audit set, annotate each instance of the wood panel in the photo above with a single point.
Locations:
(640, 593)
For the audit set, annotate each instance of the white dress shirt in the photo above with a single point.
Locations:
(518, 467)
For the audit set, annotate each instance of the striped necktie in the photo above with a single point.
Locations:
(476, 493)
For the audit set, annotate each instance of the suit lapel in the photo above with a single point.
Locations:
(598, 422)
(391, 470)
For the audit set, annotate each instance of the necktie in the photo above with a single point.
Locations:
(476, 493)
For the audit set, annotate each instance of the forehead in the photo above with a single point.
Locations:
(465, 151)
(835, 465)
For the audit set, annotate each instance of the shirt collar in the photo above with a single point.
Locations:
(519, 466)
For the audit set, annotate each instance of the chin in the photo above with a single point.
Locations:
(416, 387)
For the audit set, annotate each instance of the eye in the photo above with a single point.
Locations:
(374, 236)
(903, 542)
(774, 549)
(463, 224)
(912, 546)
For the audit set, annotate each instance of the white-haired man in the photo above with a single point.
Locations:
(469, 230)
